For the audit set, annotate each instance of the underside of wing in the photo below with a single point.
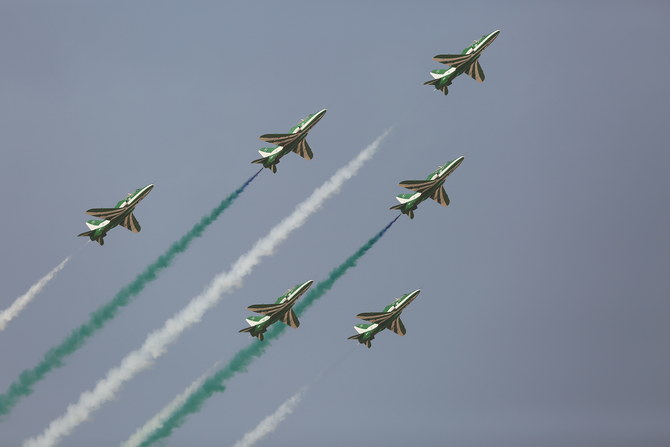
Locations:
(475, 71)
(290, 319)
(106, 213)
(304, 150)
(280, 139)
(453, 60)
(131, 223)
(440, 196)
(374, 317)
(265, 309)
(398, 327)
(417, 185)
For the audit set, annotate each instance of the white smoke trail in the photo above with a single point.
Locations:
(21, 302)
(270, 423)
(157, 342)
(159, 418)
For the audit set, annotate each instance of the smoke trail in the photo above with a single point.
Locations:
(154, 423)
(21, 302)
(54, 358)
(157, 342)
(270, 423)
(239, 363)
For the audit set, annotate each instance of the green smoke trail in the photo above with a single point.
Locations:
(23, 386)
(246, 356)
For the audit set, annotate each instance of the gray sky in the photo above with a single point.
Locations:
(543, 317)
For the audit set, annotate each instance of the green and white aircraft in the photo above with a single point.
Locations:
(389, 318)
(432, 187)
(281, 310)
(293, 141)
(466, 62)
(121, 214)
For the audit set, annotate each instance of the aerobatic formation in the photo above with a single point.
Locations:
(295, 141)
(466, 62)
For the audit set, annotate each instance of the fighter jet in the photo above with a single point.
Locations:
(466, 62)
(281, 310)
(389, 318)
(294, 141)
(121, 214)
(431, 187)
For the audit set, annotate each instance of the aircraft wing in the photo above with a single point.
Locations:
(304, 150)
(280, 139)
(131, 223)
(290, 319)
(106, 213)
(266, 309)
(417, 185)
(374, 317)
(453, 60)
(475, 71)
(398, 327)
(440, 196)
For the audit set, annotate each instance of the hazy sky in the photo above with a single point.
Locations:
(543, 318)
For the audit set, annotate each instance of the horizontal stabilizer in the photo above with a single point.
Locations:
(131, 223)
(250, 329)
(280, 139)
(259, 160)
(367, 343)
(304, 150)
(398, 327)
(431, 82)
(374, 317)
(454, 60)
(106, 213)
(396, 207)
(475, 71)
(440, 196)
(290, 319)
(265, 309)
(95, 224)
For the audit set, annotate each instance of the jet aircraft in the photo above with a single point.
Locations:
(281, 310)
(389, 318)
(466, 62)
(121, 214)
(294, 141)
(432, 187)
